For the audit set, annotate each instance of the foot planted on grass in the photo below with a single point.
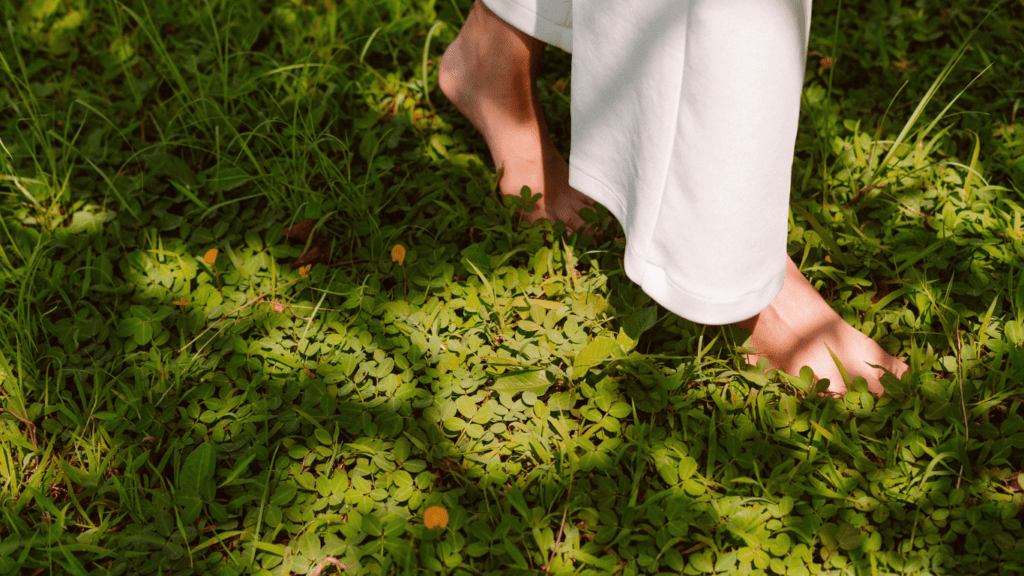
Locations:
(800, 329)
(489, 73)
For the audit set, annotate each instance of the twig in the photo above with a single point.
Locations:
(331, 560)
(694, 548)
(561, 530)
(336, 264)
(29, 423)
(242, 307)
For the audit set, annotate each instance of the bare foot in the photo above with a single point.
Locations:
(489, 73)
(798, 328)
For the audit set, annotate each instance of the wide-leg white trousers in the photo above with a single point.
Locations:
(684, 121)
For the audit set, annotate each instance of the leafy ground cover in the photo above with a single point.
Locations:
(262, 310)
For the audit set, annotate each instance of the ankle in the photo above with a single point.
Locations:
(450, 72)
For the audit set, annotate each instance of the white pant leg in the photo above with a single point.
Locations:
(684, 120)
(549, 21)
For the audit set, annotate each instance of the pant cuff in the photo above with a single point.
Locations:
(690, 302)
(523, 16)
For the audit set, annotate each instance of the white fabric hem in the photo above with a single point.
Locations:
(655, 281)
(523, 16)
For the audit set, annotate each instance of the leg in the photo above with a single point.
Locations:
(689, 141)
(489, 73)
(798, 328)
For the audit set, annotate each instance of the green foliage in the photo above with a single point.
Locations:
(165, 413)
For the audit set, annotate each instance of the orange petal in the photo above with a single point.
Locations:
(435, 517)
(398, 254)
(211, 256)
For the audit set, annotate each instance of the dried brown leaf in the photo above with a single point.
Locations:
(300, 231)
(318, 253)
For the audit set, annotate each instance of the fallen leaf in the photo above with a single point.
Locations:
(319, 253)
(300, 231)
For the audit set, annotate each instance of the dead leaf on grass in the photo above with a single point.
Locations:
(318, 253)
(300, 231)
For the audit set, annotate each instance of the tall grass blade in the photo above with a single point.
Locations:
(972, 170)
(946, 71)
(426, 52)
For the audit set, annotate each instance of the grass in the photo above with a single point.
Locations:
(179, 397)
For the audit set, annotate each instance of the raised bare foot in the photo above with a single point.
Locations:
(798, 328)
(489, 73)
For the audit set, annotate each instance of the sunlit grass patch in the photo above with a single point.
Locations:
(263, 311)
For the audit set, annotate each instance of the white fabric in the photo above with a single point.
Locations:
(684, 120)
(549, 21)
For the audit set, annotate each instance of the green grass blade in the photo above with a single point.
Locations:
(972, 170)
(426, 52)
(936, 84)
(833, 247)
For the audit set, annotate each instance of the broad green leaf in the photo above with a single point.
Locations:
(285, 493)
(626, 343)
(401, 449)
(478, 549)
(666, 466)
(89, 221)
(560, 401)
(592, 355)
(140, 330)
(196, 475)
(513, 552)
(372, 525)
(640, 322)
(275, 549)
(138, 462)
(454, 424)
(480, 263)
(848, 537)
(1014, 331)
(323, 436)
(702, 562)
(309, 546)
(726, 562)
(389, 424)
(620, 410)
(522, 380)
(529, 326)
(466, 407)
(687, 468)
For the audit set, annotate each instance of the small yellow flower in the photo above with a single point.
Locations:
(435, 517)
(211, 256)
(181, 302)
(398, 255)
(304, 271)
